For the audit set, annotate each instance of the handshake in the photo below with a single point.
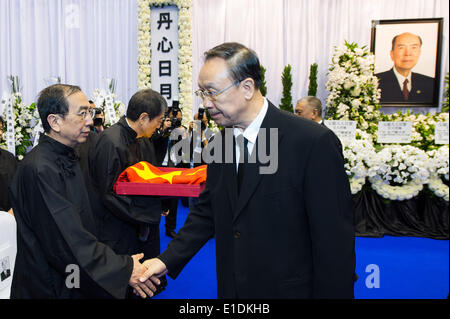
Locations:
(145, 276)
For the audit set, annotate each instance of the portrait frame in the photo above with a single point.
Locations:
(426, 70)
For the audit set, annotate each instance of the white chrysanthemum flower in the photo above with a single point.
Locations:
(402, 172)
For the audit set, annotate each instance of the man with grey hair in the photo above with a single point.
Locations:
(58, 253)
(284, 234)
(310, 108)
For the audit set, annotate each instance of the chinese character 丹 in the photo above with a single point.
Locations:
(164, 17)
(162, 46)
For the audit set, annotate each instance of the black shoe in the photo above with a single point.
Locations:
(171, 233)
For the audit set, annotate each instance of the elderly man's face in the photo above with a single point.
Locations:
(74, 128)
(303, 110)
(406, 52)
(227, 107)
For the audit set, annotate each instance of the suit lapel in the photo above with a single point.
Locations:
(252, 175)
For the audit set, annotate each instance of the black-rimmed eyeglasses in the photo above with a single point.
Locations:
(203, 94)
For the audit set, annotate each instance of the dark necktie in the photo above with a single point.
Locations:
(243, 158)
(405, 89)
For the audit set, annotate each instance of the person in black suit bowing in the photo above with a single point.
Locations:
(310, 108)
(400, 84)
(283, 230)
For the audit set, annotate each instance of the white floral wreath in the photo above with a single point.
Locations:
(185, 48)
(405, 165)
(360, 160)
(406, 191)
(439, 169)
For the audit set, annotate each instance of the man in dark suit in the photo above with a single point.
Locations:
(284, 230)
(400, 84)
(309, 107)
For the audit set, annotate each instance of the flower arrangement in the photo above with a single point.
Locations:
(354, 93)
(184, 50)
(422, 135)
(106, 100)
(402, 172)
(360, 162)
(438, 183)
(23, 117)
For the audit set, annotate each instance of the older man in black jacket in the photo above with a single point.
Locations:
(283, 227)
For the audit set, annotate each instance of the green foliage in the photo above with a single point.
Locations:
(263, 87)
(286, 100)
(312, 88)
(445, 103)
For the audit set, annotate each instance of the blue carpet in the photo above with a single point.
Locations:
(408, 268)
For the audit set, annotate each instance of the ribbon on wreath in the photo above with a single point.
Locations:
(107, 99)
(6, 106)
(38, 129)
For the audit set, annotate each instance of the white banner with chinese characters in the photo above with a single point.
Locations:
(164, 47)
(6, 106)
(344, 130)
(394, 132)
(441, 133)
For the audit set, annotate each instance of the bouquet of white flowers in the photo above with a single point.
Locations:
(422, 134)
(24, 118)
(401, 173)
(438, 183)
(106, 100)
(361, 161)
(354, 93)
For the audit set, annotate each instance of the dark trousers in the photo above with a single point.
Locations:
(171, 219)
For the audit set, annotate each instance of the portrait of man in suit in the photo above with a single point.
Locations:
(400, 84)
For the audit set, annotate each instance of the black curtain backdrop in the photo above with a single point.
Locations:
(423, 216)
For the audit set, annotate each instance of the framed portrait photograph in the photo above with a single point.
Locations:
(407, 61)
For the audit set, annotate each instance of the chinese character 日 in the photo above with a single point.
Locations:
(165, 68)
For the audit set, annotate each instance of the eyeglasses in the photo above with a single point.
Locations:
(203, 94)
(84, 113)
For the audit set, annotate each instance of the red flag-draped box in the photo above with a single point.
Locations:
(176, 190)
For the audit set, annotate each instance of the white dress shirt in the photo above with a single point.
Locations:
(251, 132)
(401, 79)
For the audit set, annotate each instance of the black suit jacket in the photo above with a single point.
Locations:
(422, 89)
(288, 234)
(121, 218)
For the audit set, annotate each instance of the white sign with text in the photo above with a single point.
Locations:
(441, 133)
(164, 47)
(344, 130)
(394, 132)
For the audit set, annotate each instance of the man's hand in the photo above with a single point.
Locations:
(143, 288)
(155, 268)
(165, 213)
(167, 123)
